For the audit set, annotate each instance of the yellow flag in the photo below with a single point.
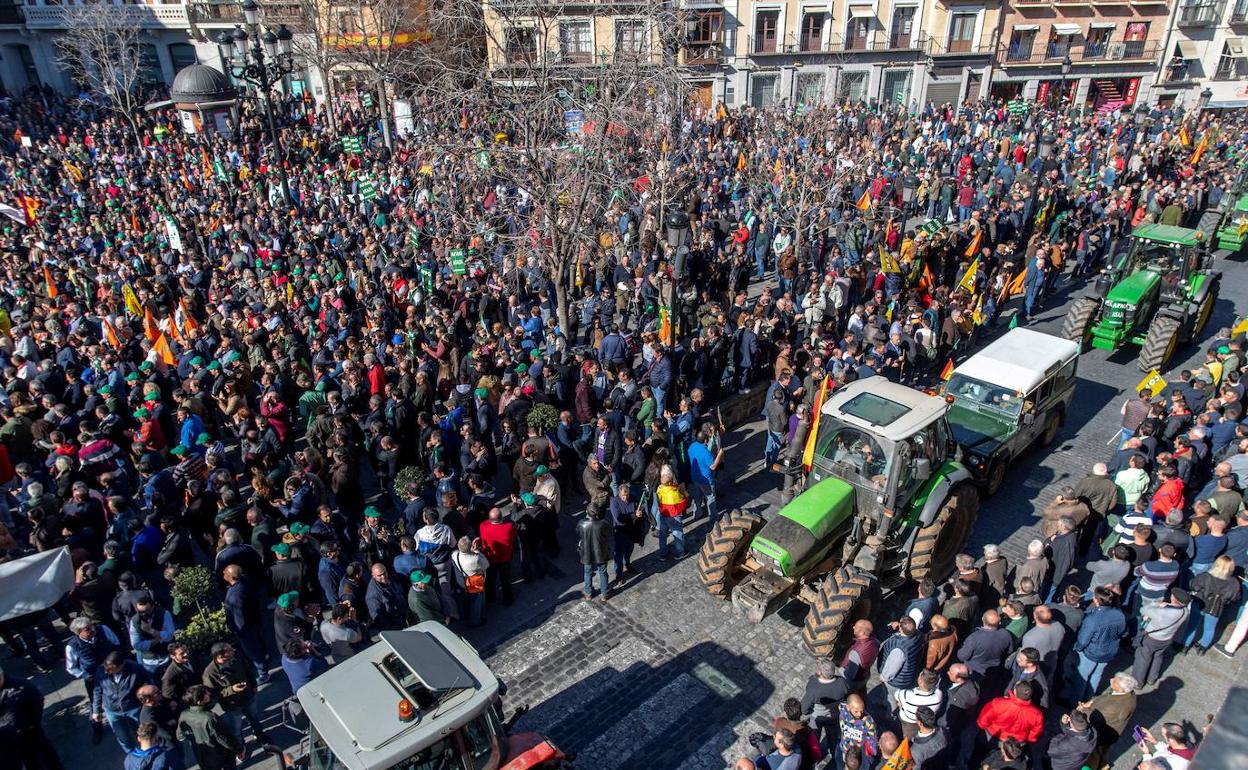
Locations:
(967, 283)
(73, 171)
(290, 293)
(1185, 138)
(902, 758)
(132, 300)
(888, 263)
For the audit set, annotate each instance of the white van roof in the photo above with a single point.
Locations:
(1019, 360)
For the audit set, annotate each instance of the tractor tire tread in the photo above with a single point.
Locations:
(715, 559)
(838, 595)
(923, 553)
(1079, 319)
(1160, 343)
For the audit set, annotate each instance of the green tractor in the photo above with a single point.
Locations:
(1231, 230)
(886, 504)
(1159, 293)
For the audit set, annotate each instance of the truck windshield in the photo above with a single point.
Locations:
(852, 454)
(440, 756)
(982, 396)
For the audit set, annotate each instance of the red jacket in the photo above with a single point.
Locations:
(1007, 717)
(498, 540)
(1167, 497)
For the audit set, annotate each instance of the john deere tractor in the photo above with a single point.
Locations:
(886, 504)
(1159, 293)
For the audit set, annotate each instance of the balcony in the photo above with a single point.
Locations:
(1239, 14)
(1200, 13)
(802, 44)
(1136, 51)
(225, 14)
(954, 48)
(142, 16)
(703, 52)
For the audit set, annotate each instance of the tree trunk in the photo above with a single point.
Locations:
(561, 304)
(383, 111)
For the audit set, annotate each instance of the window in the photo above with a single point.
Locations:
(1061, 41)
(28, 65)
(903, 28)
(705, 35)
(1134, 39)
(962, 32)
(852, 86)
(1231, 62)
(1022, 41)
(1097, 42)
(763, 90)
(730, 95)
(149, 65)
(182, 55)
(1200, 12)
(521, 45)
(857, 30)
(630, 38)
(576, 44)
(812, 31)
(1239, 12)
(896, 87)
(808, 88)
(766, 29)
(481, 740)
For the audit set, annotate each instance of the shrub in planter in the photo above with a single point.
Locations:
(194, 587)
(205, 629)
(412, 474)
(544, 417)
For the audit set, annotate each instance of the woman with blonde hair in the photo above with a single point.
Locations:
(672, 501)
(1216, 590)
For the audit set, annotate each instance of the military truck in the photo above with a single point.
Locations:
(1158, 293)
(420, 699)
(886, 504)
(1014, 393)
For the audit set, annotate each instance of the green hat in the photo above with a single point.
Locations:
(106, 390)
(178, 450)
(142, 413)
(299, 528)
(536, 353)
(421, 578)
(232, 356)
(214, 366)
(528, 499)
(338, 276)
(286, 600)
(522, 368)
(541, 470)
(372, 512)
(132, 377)
(203, 438)
(1224, 350)
(146, 366)
(197, 361)
(481, 392)
(281, 549)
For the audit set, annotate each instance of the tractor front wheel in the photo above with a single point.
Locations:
(1077, 326)
(720, 556)
(936, 545)
(1160, 344)
(1206, 310)
(843, 598)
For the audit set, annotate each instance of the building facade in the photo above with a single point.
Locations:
(1206, 46)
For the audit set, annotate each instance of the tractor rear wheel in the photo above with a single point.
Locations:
(721, 553)
(843, 598)
(1077, 326)
(1160, 344)
(936, 545)
(1205, 311)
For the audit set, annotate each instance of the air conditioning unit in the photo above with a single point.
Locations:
(1116, 51)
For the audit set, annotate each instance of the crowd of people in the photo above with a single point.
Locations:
(354, 430)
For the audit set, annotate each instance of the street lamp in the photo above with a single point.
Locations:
(909, 186)
(1061, 96)
(263, 64)
(1046, 143)
(677, 224)
(1205, 96)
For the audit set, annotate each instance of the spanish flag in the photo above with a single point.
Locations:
(1185, 138)
(672, 501)
(73, 171)
(29, 206)
(1200, 150)
(49, 283)
(110, 333)
(808, 452)
(947, 372)
(864, 202)
(161, 346)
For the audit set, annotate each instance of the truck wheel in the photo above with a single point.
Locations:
(1077, 326)
(995, 476)
(721, 553)
(938, 543)
(1206, 310)
(1159, 345)
(844, 597)
(1051, 426)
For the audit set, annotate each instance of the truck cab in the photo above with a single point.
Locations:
(1012, 394)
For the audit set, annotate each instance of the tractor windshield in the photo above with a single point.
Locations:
(853, 455)
(1157, 256)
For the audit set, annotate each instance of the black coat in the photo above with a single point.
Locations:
(594, 541)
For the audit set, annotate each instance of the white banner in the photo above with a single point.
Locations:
(34, 582)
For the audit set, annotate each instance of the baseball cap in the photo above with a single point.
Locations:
(287, 599)
(281, 549)
(372, 512)
(420, 577)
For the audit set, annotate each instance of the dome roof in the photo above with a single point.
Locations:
(200, 83)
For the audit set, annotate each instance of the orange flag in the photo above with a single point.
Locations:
(149, 325)
(161, 346)
(173, 330)
(740, 161)
(51, 285)
(864, 202)
(110, 334)
(972, 249)
(1200, 149)
(134, 221)
(188, 321)
(1016, 286)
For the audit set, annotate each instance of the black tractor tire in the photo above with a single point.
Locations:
(936, 545)
(842, 598)
(994, 478)
(1205, 311)
(722, 551)
(1077, 325)
(1160, 344)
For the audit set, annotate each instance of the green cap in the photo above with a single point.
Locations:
(197, 361)
(522, 368)
(232, 356)
(132, 377)
(421, 578)
(178, 450)
(106, 390)
(203, 438)
(214, 366)
(142, 413)
(528, 498)
(481, 392)
(541, 470)
(281, 549)
(1223, 350)
(299, 528)
(372, 512)
(287, 600)
(146, 366)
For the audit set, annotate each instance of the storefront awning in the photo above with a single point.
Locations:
(1187, 50)
(1227, 104)
(1066, 29)
(1236, 46)
(1026, 27)
(860, 11)
(1102, 25)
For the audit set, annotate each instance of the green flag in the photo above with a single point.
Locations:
(366, 99)
(352, 145)
(413, 234)
(1014, 321)
(457, 261)
(367, 188)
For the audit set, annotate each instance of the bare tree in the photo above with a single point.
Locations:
(100, 50)
(576, 134)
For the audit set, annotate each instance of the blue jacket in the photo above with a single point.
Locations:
(612, 350)
(1100, 633)
(117, 693)
(158, 757)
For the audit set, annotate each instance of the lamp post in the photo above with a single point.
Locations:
(263, 64)
(677, 225)
(1061, 94)
(1205, 96)
(909, 186)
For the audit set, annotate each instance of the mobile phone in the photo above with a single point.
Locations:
(1137, 734)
